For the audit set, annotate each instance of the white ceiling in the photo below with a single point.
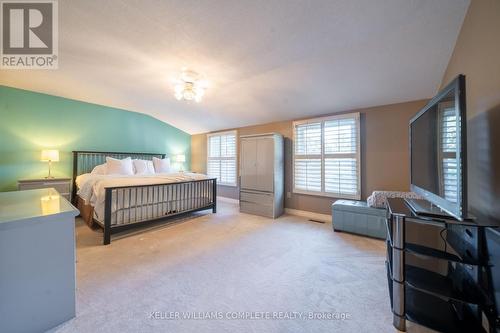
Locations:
(266, 60)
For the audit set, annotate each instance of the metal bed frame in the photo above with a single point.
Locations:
(146, 204)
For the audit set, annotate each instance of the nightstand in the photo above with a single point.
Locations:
(62, 185)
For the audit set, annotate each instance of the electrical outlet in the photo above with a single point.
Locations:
(288, 195)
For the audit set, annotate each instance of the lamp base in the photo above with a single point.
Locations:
(50, 175)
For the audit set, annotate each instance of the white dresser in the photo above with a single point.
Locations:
(262, 174)
(37, 260)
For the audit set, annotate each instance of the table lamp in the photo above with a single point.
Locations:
(50, 155)
(181, 158)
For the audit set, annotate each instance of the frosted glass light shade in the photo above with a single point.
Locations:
(51, 155)
(189, 86)
(180, 158)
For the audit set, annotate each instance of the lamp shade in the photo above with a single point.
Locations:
(51, 155)
(180, 158)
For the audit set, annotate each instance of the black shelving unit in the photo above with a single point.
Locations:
(440, 315)
(420, 250)
(443, 287)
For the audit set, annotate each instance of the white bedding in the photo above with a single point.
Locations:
(91, 187)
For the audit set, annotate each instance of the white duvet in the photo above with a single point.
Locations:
(91, 187)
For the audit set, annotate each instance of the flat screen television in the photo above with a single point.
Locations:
(438, 150)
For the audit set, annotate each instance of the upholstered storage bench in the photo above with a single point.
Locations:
(357, 217)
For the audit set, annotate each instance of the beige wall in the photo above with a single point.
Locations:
(384, 154)
(477, 55)
(199, 157)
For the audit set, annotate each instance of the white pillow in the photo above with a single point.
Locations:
(144, 167)
(119, 167)
(99, 169)
(162, 166)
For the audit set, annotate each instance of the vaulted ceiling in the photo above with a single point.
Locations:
(266, 60)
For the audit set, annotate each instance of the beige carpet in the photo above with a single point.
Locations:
(228, 265)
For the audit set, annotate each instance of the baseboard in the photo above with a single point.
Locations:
(310, 215)
(302, 213)
(230, 200)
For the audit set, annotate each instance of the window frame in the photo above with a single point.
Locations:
(323, 156)
(223, 133)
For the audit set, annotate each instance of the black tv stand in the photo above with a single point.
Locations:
(426, 208)
(447, 285)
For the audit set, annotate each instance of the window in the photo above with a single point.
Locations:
(326, 157)
(221, 162)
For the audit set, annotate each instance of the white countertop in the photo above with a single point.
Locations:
(19, 206)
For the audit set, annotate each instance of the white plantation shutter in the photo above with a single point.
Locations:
(448, 151)
(308, 139)
(308, 174)
(221, 161)
(341, 176)
(307, 164)
(450, 179)
(341, 136)
(214, 146)
(326, 156)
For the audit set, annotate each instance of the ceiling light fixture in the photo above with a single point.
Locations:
(189, 86)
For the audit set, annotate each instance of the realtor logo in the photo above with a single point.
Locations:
(29, 34)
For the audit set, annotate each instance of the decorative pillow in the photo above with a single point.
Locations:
(378, 199)
(119, 167)
(162, 165)
(99, 169)
(144, 167)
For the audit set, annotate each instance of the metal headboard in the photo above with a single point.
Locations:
(85, 161)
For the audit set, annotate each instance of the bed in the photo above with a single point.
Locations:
(117, 203)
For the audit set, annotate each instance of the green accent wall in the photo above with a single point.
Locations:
(30, 122)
